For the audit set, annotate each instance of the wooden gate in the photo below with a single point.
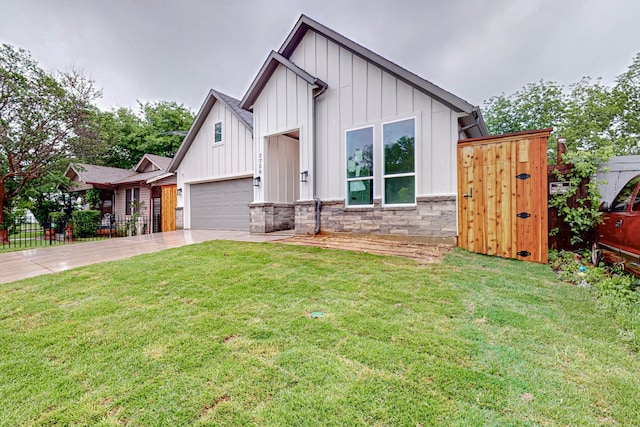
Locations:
(169, 197)
(502, 195)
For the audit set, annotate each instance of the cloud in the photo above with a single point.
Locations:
(152, 50)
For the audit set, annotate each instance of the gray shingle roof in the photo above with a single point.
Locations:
(92, 174)
(106, 175)
(234, 104)
(162, 162)
(139, 177)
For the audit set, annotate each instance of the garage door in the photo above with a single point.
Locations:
(222, 205)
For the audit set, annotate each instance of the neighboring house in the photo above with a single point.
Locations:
(215, 166)
(149, 188)
(339, 130)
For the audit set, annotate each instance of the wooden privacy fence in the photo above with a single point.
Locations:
(502, 195)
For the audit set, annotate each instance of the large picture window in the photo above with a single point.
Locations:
(360, 166)
(399, 162)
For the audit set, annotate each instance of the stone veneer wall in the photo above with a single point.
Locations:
(433, 216)
(267, 217)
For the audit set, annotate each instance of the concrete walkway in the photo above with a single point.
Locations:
(34, 262)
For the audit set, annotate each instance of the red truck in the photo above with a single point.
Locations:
(617, 239)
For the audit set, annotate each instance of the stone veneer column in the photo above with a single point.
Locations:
(261, 217)
(305, 216)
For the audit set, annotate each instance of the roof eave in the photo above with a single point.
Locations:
(268, 68)
(135, 168)
(160, 177)
(305, 23)
(212, 97)
(220, 98)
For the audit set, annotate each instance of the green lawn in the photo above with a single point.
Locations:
(220, 334)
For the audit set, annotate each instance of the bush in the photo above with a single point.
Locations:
(85, 223)
(59, 219)
(618, 295)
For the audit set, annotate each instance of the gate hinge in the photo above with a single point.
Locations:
(523, 215)
(523, 176)
(523, 253)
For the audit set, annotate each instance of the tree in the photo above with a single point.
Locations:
(41, 116)
(588, 114)
(536, 106)
(157, 128)
(627, 97)
(592, 119)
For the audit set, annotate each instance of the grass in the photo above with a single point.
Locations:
(220, 334)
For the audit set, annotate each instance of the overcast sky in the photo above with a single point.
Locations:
(176, 50)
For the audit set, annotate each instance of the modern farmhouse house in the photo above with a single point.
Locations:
(341, 140)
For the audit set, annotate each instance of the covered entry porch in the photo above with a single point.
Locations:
(280, 178)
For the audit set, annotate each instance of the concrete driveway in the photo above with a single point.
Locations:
(34, 262)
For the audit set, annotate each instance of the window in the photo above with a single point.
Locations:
(623, 199)
(131, 200)
(217, 134)
(399, 162)
(360, 166)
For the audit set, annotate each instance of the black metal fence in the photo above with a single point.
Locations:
(26, 233)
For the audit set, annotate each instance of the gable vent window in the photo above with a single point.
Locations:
(217, 135)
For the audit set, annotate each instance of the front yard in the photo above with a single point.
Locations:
(221, 333)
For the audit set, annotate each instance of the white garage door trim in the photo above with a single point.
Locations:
(221, 205)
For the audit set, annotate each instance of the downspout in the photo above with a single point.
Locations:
(323, 88)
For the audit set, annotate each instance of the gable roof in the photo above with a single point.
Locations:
(139, 177)
(160, 162)
(92, 174)
(107, 176)
(475, 124)
(273, 60)
(245, 117)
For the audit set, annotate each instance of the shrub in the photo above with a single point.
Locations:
(85, 223)
(584, 214)
(58, 218)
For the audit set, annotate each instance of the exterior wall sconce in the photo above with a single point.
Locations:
(179, 192)
(256, 181)
(304, 175)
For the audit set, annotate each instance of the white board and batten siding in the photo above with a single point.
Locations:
(282, 167)
(283, 106)
(206, 161)
(359, 94)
